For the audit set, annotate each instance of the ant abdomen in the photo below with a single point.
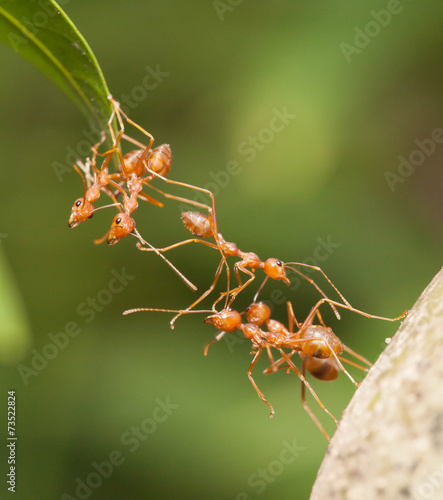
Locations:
(197, 223)
(160, 159)
(321, 341)
(323, 369)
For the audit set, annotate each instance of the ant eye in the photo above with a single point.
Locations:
(279, 263)
(90, 217)
(118, 220)
(78, 203)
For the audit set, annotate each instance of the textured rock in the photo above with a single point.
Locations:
(389, 444)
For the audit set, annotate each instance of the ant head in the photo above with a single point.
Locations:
(159, 160)
(275, 269)
(121, 226)
(258, 313)
(227, 320)
(322, 342)
(81, 210)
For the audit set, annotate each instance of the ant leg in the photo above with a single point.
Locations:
(306, 383)
(149, 199)
(360, 367)
(308, 320)
(212, 217)
(260, 394)
(211, 210)
(291, 317)
(95, 147)
(122, 164)
(202, 297)
(340, 365)
(319, 316)
(133, 141)
(106, 161)
(314, 284)
(319, 269)
(276, 365)
(119, 114)
(306, 406)
(113, 149)
(178, 198)
(218, 337)
(122, 113)
(238, 267)
(118, 188)
(86, 169)
(77, 169)
(111, 119)
(115, 141)
(181, 275)
(358, 356)
(270, 356)
(260, 288)
(217, 274)
(175, 245)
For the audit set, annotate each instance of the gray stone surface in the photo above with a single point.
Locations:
(389, 444)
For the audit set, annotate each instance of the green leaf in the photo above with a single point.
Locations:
(43, 34)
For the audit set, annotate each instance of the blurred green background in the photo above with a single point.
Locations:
(322, 176)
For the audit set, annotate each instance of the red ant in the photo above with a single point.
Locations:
(229, 320)
(83, 208)
(318, 346)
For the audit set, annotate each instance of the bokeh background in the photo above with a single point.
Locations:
(323, 176)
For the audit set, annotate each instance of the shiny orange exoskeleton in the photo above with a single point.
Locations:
(318, 346)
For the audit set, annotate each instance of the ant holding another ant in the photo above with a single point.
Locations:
(319, 348)
(204, 227)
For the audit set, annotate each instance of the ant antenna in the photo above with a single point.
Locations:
(86, 169)
(107, 206)
(139, 309)
(99, 241)
(83, 181)
(316, 268)
(170, 264)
